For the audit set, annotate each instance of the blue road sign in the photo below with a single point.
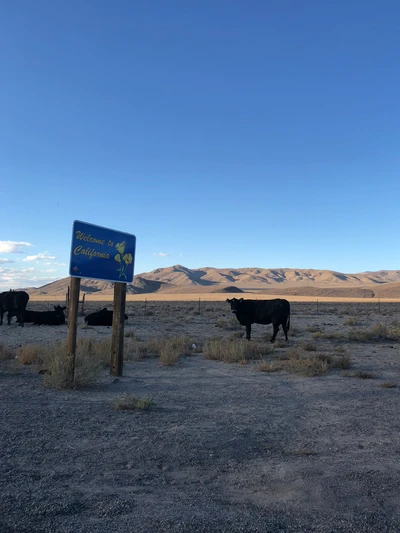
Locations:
(101, 253)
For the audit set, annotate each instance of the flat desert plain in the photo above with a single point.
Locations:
(225, 447)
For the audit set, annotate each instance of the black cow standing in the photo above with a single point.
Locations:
(101, 318)
(275, 312)
(14, 303)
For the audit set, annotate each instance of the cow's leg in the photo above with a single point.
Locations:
(248, 331)
(20, 319)
(9, 317)
(285, 331)
(1, 316)
(275, 332)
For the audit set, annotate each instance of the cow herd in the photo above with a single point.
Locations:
(14, 304)
(248, 312)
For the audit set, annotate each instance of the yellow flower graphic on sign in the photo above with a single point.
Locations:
(127, 259)
(120, 246)
(122, 258)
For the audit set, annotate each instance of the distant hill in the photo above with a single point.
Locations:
(286, 281)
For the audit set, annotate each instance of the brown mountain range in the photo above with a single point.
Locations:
(178, 279)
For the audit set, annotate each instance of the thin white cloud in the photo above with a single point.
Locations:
(25, 277)
(53, 263)
(13, 247)
(5, 260)
(161, 254)
(42, 256)
(50, 270)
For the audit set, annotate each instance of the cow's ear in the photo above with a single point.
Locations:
(228, 300)
(241, 300)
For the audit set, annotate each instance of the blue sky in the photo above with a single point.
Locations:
(221, 133)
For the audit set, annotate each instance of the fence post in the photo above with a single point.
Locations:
(83, 303)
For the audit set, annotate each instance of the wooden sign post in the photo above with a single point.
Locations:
(117, 341)
(72, 327)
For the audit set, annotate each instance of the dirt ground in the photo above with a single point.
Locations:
(226, 448)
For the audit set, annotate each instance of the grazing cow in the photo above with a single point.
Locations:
(49, 318)
(14, 303)
(100, 318)
(275, 312)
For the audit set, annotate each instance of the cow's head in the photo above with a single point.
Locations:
(235, 304)
(59, 312)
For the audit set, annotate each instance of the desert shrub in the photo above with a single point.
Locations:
(388, 385)
(230, 351)
(340, 349)
(331, 336)
(309, 346)
(340, 361)
(169, 353)
(312, 329)
(351, 321)
(359, 374)
(335, 361)
(87, 368)
(130, 335)
(30, 354)
(237, 335)
(279, 343)
(5, 352)
(98, 350)
(265, 366)
(169, 349)
(378, 332)
(130, 402)
(135, 349)
(225, 323)
(308, 366)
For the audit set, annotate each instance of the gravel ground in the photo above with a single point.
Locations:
(225, 449)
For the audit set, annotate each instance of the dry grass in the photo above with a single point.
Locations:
(307, 366)
(169, 349)
(226, 323)
(265, 366)
(378, 332)
(5, 352)
(231, 351)
(128, 402)
(30, 354)
(329, 336)
(388, 385)
(359, 374)
(309, 346)
(351, 321)
(90, 359)
(298, 361)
